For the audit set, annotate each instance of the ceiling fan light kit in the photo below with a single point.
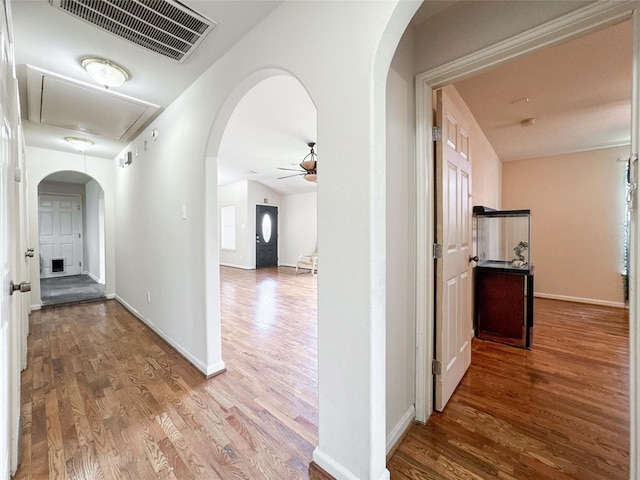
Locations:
(105, 72)
(309, 165)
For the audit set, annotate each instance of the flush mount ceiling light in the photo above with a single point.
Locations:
(105, 72)
(80, 144)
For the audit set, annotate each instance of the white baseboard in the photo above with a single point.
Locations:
(207, 370)
(111, 296)
(401, 427)
(94, 278)
(232, 265)
(336, 470)
(590, 301)
(35, 307)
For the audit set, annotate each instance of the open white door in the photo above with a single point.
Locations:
(454, 324)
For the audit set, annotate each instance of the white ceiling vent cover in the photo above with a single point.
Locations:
(164, 26)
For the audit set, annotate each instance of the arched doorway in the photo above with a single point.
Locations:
(71, 238)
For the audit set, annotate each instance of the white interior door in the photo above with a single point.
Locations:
(454, 324)
(5, 301)
(61, 244)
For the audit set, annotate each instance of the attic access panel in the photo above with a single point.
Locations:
(62, 102)
(166, 27)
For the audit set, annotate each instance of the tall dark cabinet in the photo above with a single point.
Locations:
(503, 276)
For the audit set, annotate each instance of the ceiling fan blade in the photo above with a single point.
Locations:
(290, 169)
(294, 175)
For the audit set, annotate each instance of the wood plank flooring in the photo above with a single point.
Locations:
(105, 398)
(559, 411)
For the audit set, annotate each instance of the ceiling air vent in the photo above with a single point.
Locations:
(164, 26)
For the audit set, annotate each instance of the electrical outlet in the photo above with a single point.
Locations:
(148, 297)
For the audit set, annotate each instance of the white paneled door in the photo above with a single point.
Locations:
(60, 219)
(454, 324)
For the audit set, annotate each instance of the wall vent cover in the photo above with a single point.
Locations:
(166, 27)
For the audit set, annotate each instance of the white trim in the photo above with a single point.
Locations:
(591, 17)
(93, 277)
(396, 434)
(336, 470)
(207, 370)
(33, 308)
(634, 264)
(590, 301)
(233, 265)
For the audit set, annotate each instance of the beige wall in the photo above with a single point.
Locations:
(577, 206)
(486, 168)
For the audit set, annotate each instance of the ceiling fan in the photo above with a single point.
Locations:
(308, 165)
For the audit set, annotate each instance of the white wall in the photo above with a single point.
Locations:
(245, 195)
(236, 194)
(401, 234)
(298, 226)
(577, 204)
(94, 231)
(40, 164)
(346, 81)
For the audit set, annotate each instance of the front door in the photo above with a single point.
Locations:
(266, 236)
(60, 222)
(454, 323)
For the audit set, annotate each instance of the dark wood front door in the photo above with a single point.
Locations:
(266, 236)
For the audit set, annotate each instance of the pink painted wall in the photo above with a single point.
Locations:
(577, 206)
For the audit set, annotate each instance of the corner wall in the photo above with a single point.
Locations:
(400, 234)
(298, 226)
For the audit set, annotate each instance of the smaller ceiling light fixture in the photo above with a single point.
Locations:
(105, 72)
(80, 144)
(527, 122)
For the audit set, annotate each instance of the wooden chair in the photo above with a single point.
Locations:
(308, 262)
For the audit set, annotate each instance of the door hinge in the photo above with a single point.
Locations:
(437, 250)
(79, 264)
(436, 367)
(79, 235)
(436, 133)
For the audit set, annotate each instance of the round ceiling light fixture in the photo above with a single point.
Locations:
(105, 72)
(80, 144)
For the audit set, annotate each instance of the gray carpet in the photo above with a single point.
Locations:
(70, 289)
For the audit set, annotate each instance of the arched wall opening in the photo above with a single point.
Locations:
(90, 179)
(243, 255)
(71, 238)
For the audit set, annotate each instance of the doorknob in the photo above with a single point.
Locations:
(29, 253)
(22, 288)
(473, 259)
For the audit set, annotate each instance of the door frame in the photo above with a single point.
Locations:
(80, 222)
(277, 230)
(584, 20)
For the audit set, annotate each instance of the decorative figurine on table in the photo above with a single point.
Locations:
(519, 260)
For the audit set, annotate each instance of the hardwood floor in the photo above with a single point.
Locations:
(105, 398)
(558, 411)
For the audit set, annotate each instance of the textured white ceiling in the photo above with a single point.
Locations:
(578, 91)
